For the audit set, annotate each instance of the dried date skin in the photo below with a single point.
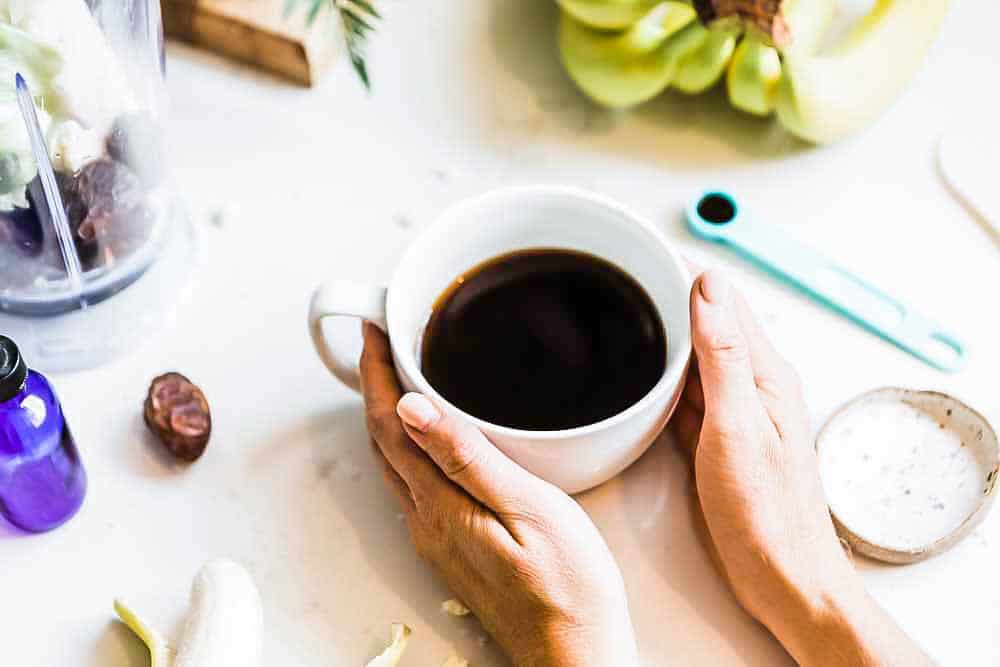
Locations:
(177, 411)
(107, 212)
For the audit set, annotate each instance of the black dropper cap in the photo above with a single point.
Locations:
(13, 370)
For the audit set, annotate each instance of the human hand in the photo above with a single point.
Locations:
(744, 421)
(520, 553)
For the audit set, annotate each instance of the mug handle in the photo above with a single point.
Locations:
(342, 298)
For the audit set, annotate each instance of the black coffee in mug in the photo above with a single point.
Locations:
(544, 339)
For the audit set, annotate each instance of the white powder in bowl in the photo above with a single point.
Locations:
(903, 469)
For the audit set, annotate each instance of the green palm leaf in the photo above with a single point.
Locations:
(358, 19)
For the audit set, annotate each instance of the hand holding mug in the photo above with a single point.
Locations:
(483, 501)
(744, 421)
(518, 551)
(493, 226)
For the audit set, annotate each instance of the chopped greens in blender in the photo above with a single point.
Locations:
(104, 145)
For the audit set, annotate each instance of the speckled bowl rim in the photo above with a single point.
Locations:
(904, 556)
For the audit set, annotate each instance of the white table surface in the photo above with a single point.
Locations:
(332, 182)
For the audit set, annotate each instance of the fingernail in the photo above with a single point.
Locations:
(714, 288)
(417, 411)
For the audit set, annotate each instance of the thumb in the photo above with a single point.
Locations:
(727, 376)
(466, 457)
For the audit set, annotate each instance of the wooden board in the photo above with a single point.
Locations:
(256, 32)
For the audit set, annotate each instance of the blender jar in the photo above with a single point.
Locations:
(95, 72)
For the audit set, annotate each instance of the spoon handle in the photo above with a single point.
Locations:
(716, 216)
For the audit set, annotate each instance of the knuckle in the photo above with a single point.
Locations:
(781, 382)
(529, 519)
(728, 348)
(771, 386)
(473, 519)
(456, 456)
(484, 522)
(444, 527)
(378, 419)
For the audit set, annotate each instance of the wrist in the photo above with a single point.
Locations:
(822, 624)
(612, 643)
(832, 621)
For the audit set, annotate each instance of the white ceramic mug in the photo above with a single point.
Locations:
(500, 222)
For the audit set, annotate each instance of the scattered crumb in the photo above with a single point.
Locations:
(453, 607)
(402, 220)
(455, 660)
(218, 217)
(217, 214)
(440, 175)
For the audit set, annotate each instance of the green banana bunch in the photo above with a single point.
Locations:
(771, 52)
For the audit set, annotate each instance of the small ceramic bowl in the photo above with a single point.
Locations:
(907, 473)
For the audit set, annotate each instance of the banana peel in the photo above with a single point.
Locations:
(753, 76)
(160, 653)
(393, 653)
(824, 97)
(223, 626)
(624, 52)
(607, 14)
(624, 69)
(704, 66)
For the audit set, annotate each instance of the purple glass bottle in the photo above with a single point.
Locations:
(42, 482)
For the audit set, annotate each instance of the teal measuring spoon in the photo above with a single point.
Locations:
(717, 216)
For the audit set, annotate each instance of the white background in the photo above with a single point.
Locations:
(469, 96)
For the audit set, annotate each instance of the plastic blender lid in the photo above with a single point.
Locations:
(13, 370)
